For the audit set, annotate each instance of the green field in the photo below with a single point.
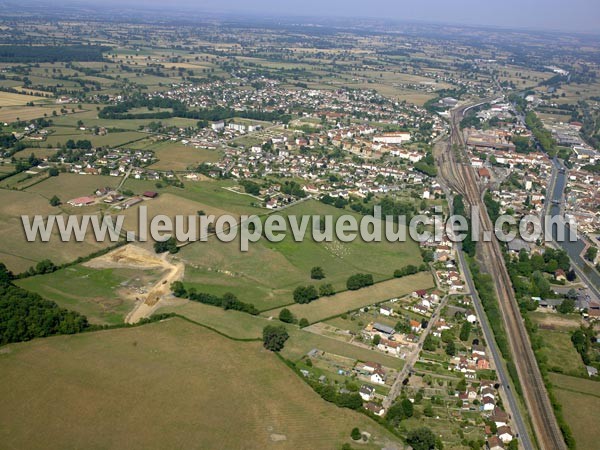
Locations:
(176, 156)
(164, 385)
(91, 292)
(560, 353)
(268, 272)
(244, 326)
(580, 401)
(327, 307)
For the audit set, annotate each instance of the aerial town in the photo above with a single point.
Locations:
(437, 343)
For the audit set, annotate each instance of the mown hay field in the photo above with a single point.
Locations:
(165, 385)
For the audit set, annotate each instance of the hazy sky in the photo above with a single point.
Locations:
(572, 15)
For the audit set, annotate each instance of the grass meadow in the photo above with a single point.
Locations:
(168, 384)
(91, 292)
(268, 272)
(580, 401)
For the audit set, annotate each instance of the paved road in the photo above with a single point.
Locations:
(412, 358)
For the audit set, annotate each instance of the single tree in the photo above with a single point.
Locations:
(591, 253)
(376, 339)
(421, 439)
(55, 201)
(274, 337)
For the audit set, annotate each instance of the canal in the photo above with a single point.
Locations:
(575, 248)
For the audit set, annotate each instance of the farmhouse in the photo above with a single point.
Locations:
(383, 328)
(131, 202)
(81, 201)
(415, 326)
(494, 443)
(505, 434)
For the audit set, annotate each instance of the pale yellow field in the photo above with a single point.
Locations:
(10, 99)
(165, 385)
(349, 300)
(14, 113)
(19, 254)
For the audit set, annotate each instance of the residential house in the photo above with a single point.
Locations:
(366, 392)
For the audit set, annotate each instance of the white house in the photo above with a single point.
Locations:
(505, 434)
(488, 404)
(386, 311)
(366, 392)
(378, 377)
(471, 318)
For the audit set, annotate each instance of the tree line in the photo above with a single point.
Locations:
(179, 109)
(25, 315)
(227, 301)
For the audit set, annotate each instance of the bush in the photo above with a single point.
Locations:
(326, 290)
(170, 245)
(407, 270)
(305, 294)
(421, 439)
(303, 322)
(317, 273)
(285, 315)
(358, 281)
(228, 301)
(355, 434)
(25, 315)
(55, 201)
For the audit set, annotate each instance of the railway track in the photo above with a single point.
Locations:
(461, 178)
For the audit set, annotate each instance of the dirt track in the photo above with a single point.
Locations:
(134, 257)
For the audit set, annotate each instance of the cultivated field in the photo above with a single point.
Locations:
(580, 401)
(326, 307)
(69, 185)
(156, 386)
(19, 254)
(176, 156)
(12, 113)
(62, 135)
(12, 99)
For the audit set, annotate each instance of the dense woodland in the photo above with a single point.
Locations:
(51, 53)
(25, 316)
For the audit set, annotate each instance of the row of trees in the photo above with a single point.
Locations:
(179, 109)
(227, 301)
(409, 270)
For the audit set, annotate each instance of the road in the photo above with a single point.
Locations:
(411, 359)
(462, 179)
(519, 426)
